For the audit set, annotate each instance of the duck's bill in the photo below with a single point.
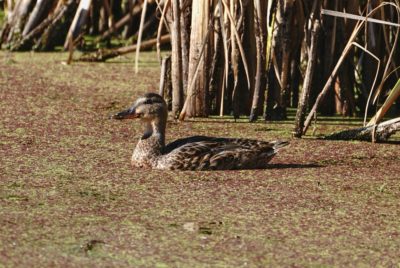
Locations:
(126, 114)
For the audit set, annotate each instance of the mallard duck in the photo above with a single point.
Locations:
(192, 153)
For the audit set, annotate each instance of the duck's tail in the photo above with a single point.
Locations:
(279, 144)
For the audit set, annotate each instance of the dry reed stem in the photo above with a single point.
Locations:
(235, 32)
(159, 30)
(375, 79)
(224, 40)
(356, 30)
(190, 92)
(139, 41)
(393, 95)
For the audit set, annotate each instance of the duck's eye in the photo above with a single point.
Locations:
(148, 101)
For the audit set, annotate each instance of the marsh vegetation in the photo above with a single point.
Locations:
(68, 196)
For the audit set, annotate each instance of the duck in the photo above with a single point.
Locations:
(191, 153)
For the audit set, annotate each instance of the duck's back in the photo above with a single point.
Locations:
(208, 153)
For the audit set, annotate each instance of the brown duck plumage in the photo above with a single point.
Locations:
(192, 153)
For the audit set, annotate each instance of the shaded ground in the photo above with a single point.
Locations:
(68, 196)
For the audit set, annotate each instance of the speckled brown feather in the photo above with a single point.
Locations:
(208, 153)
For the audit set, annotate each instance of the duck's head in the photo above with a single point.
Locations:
(150, 108)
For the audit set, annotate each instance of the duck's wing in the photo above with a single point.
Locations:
(181, 142)
(208, 153)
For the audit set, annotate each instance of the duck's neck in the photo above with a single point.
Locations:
(150, 145)
(155, 131)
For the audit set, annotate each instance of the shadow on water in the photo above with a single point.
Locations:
(282, 166)
(394, 142)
